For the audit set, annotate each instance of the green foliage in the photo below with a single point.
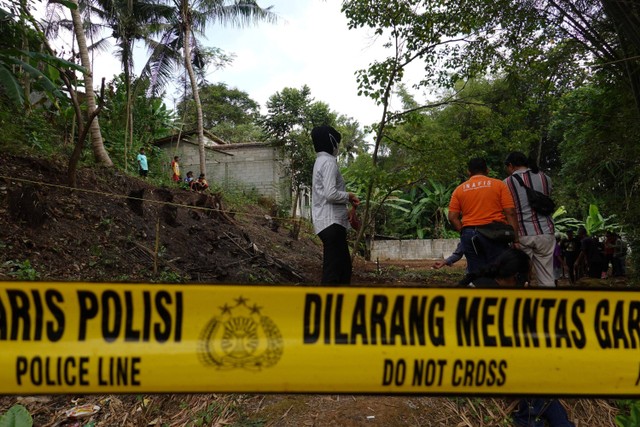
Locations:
(595, 223)
(16, 416)
(22, 270)
(291, 115)
(430, 208)
(192, 17)
(39, 133)
(564, 223)
(19, 65)
(169, 276)
(151, 120)
(386, 202)
(207, 415)
(236, 195)
(230, 111)
(633, 418)
(597, 148)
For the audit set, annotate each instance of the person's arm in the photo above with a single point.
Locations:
(454, 219)
(454, 257)
(512, 220)
(451, 259)
(331, 191)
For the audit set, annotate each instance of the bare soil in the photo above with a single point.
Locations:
(119, 228)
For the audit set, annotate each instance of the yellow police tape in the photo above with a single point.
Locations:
(103, 338)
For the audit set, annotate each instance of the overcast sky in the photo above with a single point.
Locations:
(311, 45)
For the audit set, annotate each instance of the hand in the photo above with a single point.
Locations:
(438, 265)
(353, 199)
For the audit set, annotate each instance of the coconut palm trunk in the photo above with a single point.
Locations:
(196, 95)
(97, 145)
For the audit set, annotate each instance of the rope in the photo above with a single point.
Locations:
(122, 196)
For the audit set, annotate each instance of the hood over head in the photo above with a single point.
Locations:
(325, 138)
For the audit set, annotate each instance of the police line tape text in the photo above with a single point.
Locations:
(434, 373)
(479, 321)
(78, 371)
(141, 317)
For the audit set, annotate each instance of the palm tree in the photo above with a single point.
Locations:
(191, 17)
(97, 143)
(130, 21)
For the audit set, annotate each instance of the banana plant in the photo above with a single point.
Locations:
(595, 222)
(563, 223)
(42, 69)
(430, 206)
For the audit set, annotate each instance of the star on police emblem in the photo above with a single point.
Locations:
(240, 337)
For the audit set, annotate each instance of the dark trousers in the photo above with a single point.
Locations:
(595, 269)
(570, 259)
(336, 259)
(479, 250)
(540, 413)
(618, 267)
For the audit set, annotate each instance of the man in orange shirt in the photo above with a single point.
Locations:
(475, 203)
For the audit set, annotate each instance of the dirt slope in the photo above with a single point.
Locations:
(104, 232)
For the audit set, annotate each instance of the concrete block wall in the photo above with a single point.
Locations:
(412, 249)
(251, 165)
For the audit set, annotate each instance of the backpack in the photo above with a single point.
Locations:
(539, 202)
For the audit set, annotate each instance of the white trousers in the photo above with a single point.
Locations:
(540, 249)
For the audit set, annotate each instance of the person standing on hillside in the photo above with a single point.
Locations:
(143, 166)
(536, 231)
(570, 250)
(475, 204)
(591, 254)
(175, 169)
(329, 207)
(619, 257)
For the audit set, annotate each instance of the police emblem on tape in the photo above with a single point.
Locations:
(240, 337)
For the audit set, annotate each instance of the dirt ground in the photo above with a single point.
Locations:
(102, 232)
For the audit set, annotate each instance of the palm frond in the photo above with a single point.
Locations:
(164, 58)
(101, 46)
(240, 14)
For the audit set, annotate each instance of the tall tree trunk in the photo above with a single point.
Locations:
(26, 80)
(97, 144)
(294, 202)
(196, 94)
(127, 64)
(626, 18)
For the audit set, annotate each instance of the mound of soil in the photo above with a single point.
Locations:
(115, 227)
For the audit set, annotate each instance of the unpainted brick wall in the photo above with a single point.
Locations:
(413, 249)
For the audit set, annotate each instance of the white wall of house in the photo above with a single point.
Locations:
(258, 166)
(253, 165)
(413, 249)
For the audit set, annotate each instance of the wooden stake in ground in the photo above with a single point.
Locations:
(155, 252)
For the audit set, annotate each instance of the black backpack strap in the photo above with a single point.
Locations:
(519, 179)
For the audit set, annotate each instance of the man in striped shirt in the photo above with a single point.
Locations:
(535, 231)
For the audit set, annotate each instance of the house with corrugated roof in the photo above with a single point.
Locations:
(259, 166)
